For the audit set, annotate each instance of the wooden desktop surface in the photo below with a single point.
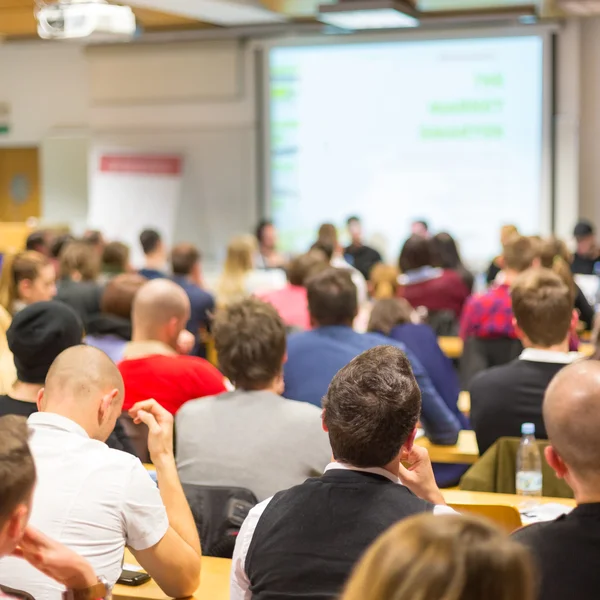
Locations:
(464, 452)
(214, 583)
(461, 497)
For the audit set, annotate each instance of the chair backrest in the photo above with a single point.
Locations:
(480, 354)
(219, 512)
(505, 516)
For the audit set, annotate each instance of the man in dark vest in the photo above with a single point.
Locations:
(303, 542)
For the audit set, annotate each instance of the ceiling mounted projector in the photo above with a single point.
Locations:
(356, 15)
(76, 19)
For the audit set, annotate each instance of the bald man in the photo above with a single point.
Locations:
(568, 549)
(95, 500)
(152, 368)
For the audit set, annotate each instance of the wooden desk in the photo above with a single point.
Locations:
(460, 497)
(452, 347)
(464, 452)
(214, 583)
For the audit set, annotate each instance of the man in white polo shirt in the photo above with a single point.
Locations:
(96, 500)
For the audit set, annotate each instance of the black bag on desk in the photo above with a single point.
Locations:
(219, 513)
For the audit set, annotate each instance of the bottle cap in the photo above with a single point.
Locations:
(527, 429)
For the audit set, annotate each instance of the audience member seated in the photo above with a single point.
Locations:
(314, 357)
(17, 538)
(240, 278)
(567, 551)
(424, 285)
(505, 397)
(392, 318)
(110, 329)
(448, 257)
(115, 260)
(506, 232)
(26, 278)
(79, 268)
(305, 541)
(96, 500)
(267, 256)
(95, 240)
(252, 437)
(291, 302)
(587, 254)
(362, 257)
(420, 228)
(555, 255)
(185, 261)
(37, 335)
(426, 556)
(39, 241)
(489, 315)
(155, 255)
(152, 368)
(328, 243)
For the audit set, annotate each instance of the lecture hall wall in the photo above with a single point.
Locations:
(198, 99)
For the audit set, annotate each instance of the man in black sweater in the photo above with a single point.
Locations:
(304, 542)
(505, 397)
(567, 551)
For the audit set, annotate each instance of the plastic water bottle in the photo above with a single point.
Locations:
(529, 464)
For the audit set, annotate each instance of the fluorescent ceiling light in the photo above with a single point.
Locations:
(374, 14)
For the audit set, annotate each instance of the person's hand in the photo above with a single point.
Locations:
(185, 342)
(418, 476)
(160, 427)
(55, 560)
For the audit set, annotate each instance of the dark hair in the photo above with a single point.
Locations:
(324, 248)
(422, 222)
(447, 251)
(260, 228)
(149, 240)
(543, 306)
(332, 297)
(116, 256)
(250, 340)
(17, 469)
(38, 241)
(352, 219)
(371, 407)
(183, 258)
(303, 267)
(119, 293)
(93, 237)
(417, 252)
(388, 313)
(59, 243)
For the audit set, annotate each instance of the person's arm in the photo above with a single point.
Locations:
(174, 562)
(441, 426)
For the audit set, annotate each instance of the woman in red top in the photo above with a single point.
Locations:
(423, 284)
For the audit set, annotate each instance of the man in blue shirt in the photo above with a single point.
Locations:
(185, 261)
(155, 253)
(314, 357)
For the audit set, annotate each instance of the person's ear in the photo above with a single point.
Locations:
(574, 321)
(285, 358)
(518, 331)
(556, 462)
(323, 424)
(106, 405)
(14, 528)
(501, 262)
(24, 288)
(410, 442)
(40, 400)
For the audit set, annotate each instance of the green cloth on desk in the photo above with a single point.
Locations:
(496, 470)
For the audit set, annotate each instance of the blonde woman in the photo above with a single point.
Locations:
(27, 277)
(240, 279)
(444, 557)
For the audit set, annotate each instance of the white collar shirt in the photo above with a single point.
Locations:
(91, 498)
(550, 356)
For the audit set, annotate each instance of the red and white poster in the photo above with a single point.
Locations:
(131, 191)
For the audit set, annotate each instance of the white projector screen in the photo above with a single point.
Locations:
(453, 131)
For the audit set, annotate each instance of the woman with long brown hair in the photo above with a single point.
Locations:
(449, 557)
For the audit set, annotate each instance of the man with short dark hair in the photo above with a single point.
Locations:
(17, 484)
(39, 241)
(314, 357)
(185, 261)
(155, 254)
(251, 437)
(567, 550)
(586, 255)
(362, 257)
(505, 397)
(304, 542)
(268, 257)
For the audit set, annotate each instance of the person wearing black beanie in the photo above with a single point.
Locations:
(37, 335)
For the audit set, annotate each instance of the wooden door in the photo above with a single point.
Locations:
(19, 184)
